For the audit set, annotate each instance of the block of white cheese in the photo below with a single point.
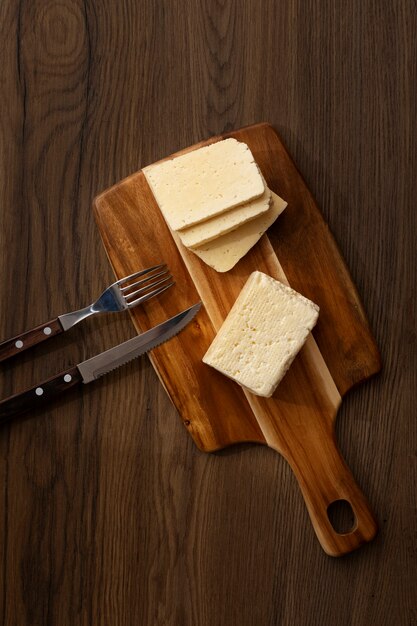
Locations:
(224, 252)
(205, 182)
(265, 329)
(202, 233)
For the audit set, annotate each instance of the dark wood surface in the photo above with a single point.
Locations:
(110, 514)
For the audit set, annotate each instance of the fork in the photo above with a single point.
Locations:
(117, 297)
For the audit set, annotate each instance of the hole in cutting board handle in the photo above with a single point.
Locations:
(341, 516)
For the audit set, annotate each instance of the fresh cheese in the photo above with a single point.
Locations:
(224, 252)
(265, 329)
(202, 233)
(197, 185)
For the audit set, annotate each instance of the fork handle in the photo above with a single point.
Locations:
(30, 338)
(35, 397)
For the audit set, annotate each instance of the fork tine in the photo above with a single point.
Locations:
(143, 280)
(126, 279)
(147, 296)
(128, 296)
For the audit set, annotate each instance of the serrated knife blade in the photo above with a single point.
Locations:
(102, 363)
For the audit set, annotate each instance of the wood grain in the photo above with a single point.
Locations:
(109, 513)
(298, 420)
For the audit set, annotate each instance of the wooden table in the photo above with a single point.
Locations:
(109, 514)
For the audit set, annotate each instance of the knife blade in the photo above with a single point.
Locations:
(99, 365)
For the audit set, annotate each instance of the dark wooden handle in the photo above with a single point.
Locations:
(324, 478)
(30, 338)
(38, 395)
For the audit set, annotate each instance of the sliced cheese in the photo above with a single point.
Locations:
(224, 252)
(197, 185)
(265, 329)
(202, 233)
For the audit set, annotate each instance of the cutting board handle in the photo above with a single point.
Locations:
(325, 478)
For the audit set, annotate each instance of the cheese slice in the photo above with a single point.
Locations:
(224, 252)
(202, 233)
(265, 329)
(197, 185)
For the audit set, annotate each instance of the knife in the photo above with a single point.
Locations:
(97, 366)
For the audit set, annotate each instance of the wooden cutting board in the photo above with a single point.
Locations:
(298, 421)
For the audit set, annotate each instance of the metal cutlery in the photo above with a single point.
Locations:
(122, 294)
(97, 366)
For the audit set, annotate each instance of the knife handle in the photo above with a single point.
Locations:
(30, 338)
(31, 399)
